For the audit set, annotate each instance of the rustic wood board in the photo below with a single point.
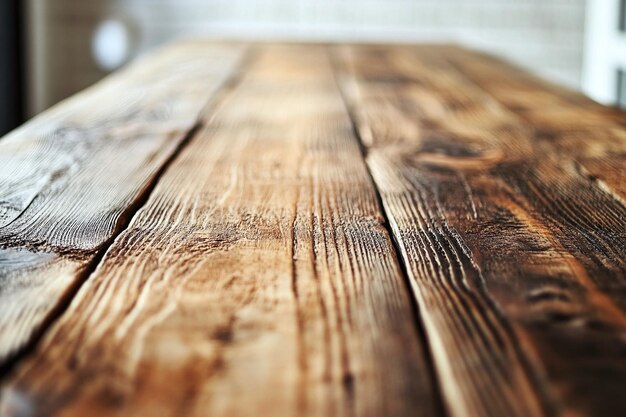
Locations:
(70, 178)
(258, 279)
(516, 258)
(350, 231)
(590, 134)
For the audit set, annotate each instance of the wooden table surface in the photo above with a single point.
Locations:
(315, 230)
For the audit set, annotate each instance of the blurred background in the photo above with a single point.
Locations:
(51, 49)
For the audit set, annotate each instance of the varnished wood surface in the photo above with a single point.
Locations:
(323, 230)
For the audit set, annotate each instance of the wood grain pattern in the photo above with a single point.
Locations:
(516, 257)
(369, 230)
(587, 132)
(258, 279)
(70, 177)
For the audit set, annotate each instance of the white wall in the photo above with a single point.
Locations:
(605, 50)
(544, 35)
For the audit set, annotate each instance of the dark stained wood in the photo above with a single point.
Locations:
(587, 132)
(70, 177)
(258, 279)
(516, 253)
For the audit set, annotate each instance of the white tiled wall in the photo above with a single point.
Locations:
(544, 35)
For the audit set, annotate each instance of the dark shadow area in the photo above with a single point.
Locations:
(11, 71)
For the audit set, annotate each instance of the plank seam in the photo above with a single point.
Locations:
(126, 218)
(415, 308)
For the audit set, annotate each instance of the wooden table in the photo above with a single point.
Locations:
(315, 230)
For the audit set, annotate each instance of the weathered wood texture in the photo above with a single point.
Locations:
(69, 178)
(258, 275)
(258, 279)
(516, 254)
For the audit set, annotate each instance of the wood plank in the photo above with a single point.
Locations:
(517, 261)
(592, 134)
(71, 177)
(258, 279)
